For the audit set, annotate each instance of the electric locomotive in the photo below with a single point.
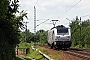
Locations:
(59, 37)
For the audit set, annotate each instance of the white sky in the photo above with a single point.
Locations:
(54, 9)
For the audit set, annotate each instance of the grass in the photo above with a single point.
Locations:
(24, 45)
(36, 55)
(58, 52)
(17, 58)
(33, 53)
(43, 50)
(55, 55)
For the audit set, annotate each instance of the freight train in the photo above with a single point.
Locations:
(59, 37)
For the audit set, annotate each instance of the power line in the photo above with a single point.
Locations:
(85, 15)
(42, 22)
(69, 9)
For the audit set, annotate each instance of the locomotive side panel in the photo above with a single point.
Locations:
(50, 37)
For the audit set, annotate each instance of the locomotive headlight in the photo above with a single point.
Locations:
(68, 37)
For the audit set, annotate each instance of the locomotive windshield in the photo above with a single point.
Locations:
(61, 31)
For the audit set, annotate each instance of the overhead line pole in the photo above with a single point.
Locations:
(80, 33)
(34, 25)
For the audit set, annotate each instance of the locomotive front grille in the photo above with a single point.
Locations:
(63, 44)
(62, 39)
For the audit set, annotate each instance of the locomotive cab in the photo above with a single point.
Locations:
(60, 37)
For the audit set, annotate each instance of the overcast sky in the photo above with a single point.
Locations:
(54, 9)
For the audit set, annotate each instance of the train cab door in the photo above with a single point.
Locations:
(53, 36)
(53, 39)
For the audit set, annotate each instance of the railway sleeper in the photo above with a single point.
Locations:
(78, 55)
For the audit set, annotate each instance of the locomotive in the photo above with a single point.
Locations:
(59, 37)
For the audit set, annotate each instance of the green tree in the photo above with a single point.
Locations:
(75, 28)
(42, 37)
(86, 34)
(80, 33)
(28, 35)
(9, 28)
(86, 23)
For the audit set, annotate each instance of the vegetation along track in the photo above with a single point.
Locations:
(81, 53)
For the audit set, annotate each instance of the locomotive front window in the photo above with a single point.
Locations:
(62, 30)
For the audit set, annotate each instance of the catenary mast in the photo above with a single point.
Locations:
(34, 24)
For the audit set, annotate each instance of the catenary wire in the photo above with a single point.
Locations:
(42, 22)
(69, 9)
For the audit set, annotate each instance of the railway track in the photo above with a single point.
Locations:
(81, 53)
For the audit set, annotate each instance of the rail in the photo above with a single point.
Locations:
(84, 54)
(81, 53)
